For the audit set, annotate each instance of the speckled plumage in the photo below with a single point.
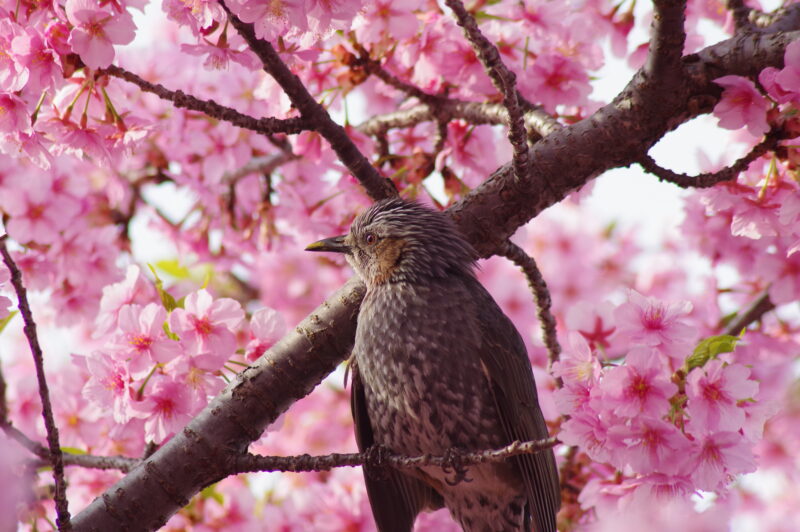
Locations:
(439, 366)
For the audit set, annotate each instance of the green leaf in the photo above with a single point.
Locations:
(211, 493)
(166, 298)
(7, 319)
(173, 268)
(709, 349)
(73, 450)
(171, 335)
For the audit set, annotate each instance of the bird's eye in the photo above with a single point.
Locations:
(370, 238)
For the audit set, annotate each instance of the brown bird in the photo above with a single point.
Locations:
(439, 366)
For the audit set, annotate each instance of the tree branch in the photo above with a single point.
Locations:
(381, 457)
(265, 126)
(121, 463)
(315, 115)
(709, 179)
(449, 109)
(503, 79)
(544, 302)
(757, 309)
(666, 43)
(56, 458)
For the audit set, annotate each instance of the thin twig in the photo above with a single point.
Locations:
(56, 458)
(709, 179)
(757, 309)
(265, 126)
(315, 114)
(503, 79)
(121, 463)
(380, 457)
(543, 300)
(450, 109)
(264, 165)
(372, 66)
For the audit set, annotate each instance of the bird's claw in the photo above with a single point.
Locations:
(454, 463)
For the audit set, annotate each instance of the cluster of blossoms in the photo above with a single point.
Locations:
(671, 421)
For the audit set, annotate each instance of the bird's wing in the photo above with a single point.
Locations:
(395, 498)
(505, 362)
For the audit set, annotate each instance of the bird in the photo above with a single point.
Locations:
(436, 367)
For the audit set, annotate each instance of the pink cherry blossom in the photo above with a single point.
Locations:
(13, 73)
(36, 214)
(43, 64)
(386, 18)
(108, 384)
(16, 480)
(586, 430)
(649, 322)
(650, 445)
(577, 363)
(165, 408)
(96, 30)
(557, 80)
(206, 327)
(789, 77)
(267, 326)
(271, 19)
(716, 457)
(714, 391)
(14, 117)
(134, 289)
(595, 322)
(5, 277)
(141, 339)
(741, 105)
(641, 386)
(775, 90)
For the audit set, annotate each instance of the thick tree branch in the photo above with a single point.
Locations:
(614, 136)
(315, 115)
(266, 126)
(666, 43)
(503, 79)
(56, 457)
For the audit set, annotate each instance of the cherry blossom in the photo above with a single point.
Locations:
(4, 301)
(639, 387)
(649, 322)
(714, 391)
(96, 30)
(267, 327)
(206, 326)
(141, 340)
(741, 106)
(165, 408)
(717, 456)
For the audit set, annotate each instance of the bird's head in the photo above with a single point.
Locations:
(402, 241)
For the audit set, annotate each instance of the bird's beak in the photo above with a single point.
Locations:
(335, 243)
